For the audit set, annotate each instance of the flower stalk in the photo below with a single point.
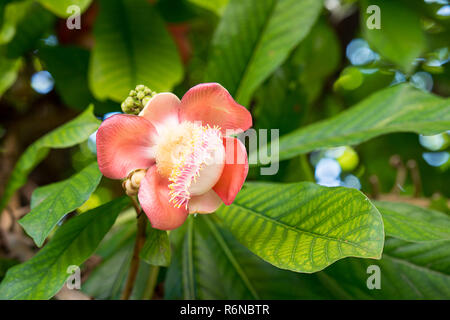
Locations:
(139, 243)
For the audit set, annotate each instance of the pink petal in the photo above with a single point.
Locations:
(205, 203)
(163, 108)
(154, 199)
(212, 104)
(124, 144)
(234, 172)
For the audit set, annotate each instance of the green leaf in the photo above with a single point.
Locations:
(156, 249)
(209, 263)
(305, 227)
(408, 271)
(106, 280)
(68, 135)
(132, 46)
(27, 29)
(51, 203)
(42, 276)
(60, 7)
(69, 66)
(254, 38)
(412, 223)
(10, 15)
(400, 38)
(8, 73)
(217, 6)
(401, 108)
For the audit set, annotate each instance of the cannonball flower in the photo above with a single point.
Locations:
(178, 155)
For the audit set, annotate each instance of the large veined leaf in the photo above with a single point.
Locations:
(305, 227)
(400, 38)
(42, 276)
(253, 38)
(132, 46)
(51, 203)
(156, 249)
(400, 108)
(68, 135)
(60, 7)
(209, 263)
(412, 223)
(8, 73)
(408, 271)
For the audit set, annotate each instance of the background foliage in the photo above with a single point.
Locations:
(364, 120)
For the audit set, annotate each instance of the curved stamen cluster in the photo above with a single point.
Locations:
(202, 147)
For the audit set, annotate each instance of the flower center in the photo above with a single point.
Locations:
(192, 157)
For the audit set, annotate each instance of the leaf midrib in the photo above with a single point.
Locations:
(255, 47)
(297, 230)
(240, 271)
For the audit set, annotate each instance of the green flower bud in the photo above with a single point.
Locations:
(137, 100)
(141, 95)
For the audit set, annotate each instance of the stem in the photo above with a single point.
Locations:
(140, 239)
(151, 283)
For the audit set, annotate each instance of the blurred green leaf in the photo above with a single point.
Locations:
(132, 46)
(11, 13)
(205, 249)
(279, 90)
(8, 73)
(253, 38)
(408, 271)
(216, 6)
(42, 276)
(400, 38)
(305, 227)
(60, 7)
(68, 135)
(107, 279)
(27, 28)
(5, 264)
(316, 58)
(412, 223)
(400, 108)
(51, 203)
(69, 66)
(156, 250)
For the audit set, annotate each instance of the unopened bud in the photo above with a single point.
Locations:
(132, 183)
(137, 177)
(137, 100)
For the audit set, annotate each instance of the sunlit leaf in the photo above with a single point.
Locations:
(42, 276)
(305, 227)
(61, 7)
(253, 38)
(68, 135)
(51, 203)
(132, 46)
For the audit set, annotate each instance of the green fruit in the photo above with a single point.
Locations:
(349, 159)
